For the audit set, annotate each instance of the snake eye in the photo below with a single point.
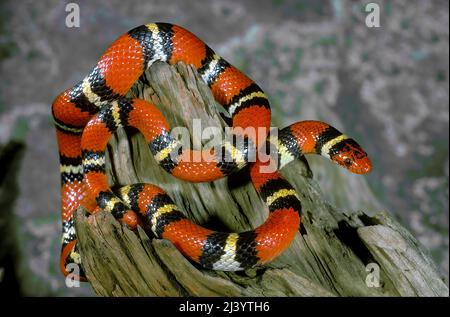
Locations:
(348, 161)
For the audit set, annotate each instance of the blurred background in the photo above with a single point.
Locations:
(387, 87)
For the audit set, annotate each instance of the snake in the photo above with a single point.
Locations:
(87, 115)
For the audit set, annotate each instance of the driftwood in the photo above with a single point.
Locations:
(334, 254)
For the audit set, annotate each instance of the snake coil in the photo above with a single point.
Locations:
(87, 115)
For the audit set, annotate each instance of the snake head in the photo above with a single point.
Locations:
(350, 155)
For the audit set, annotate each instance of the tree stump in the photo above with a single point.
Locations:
(334, 253)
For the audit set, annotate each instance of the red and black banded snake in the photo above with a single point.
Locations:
(87, 115)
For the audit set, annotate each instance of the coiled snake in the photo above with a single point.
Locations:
(87, 115)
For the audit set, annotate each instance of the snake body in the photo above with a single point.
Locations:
(87, 115)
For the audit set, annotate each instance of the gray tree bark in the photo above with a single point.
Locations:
(334, 253)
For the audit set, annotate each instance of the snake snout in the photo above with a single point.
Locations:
(361, 166)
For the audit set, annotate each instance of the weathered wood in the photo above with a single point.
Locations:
(328, 257)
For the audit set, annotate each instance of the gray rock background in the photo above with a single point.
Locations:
(387, 87)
